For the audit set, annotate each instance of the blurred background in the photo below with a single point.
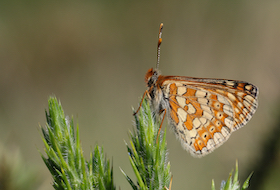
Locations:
(93, 56)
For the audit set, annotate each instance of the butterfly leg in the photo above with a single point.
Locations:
(163, 110)
(145, 93)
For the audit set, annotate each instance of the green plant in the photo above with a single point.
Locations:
(65, 158)
(233, 184)
(147, 154)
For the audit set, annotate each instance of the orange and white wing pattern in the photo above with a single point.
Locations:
(204, 112)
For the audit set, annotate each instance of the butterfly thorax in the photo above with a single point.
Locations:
(155, 92)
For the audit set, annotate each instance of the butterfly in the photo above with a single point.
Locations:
(203, 112)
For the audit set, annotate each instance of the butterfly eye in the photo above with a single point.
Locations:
(150, 82)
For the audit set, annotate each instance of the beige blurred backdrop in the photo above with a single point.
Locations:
(93, 56)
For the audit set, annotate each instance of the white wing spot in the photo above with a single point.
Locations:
(181, 90)
(207, 123)
(241, 94)
(249, 98)
(245, 111)
(228, 110)
(248, 87)
(200, 93)
(220, 91)
(222, 100)
(202, 101)
(246, 104)
(191, 109)
(231, 97)
(196, 123)
(224, 131)
(206, 108)
(240, 105)
(236, 110)
(180, 127)
(203, 150)
(218, 138)
(207, 115)
(203, 120)
(229, 122)
(181, 101)
(230, 83)
(193, 133)
(210, 144)
(182, 114)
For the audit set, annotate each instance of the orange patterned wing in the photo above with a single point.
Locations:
(204, 112)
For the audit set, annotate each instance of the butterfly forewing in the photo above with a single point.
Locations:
(204, 112)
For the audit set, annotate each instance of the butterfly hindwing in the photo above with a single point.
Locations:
(204, 113)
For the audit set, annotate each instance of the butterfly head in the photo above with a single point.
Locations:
(151, 77)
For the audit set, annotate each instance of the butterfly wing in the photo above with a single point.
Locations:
(204, 112)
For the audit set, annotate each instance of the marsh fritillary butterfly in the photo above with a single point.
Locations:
(203, 112)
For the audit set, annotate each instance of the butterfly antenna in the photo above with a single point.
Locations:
(159, 42)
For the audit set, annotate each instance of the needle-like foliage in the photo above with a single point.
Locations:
(233, 184)
(148, 157)
(65, 158)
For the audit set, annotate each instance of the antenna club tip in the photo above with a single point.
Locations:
(159, 41)
(161, 26)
